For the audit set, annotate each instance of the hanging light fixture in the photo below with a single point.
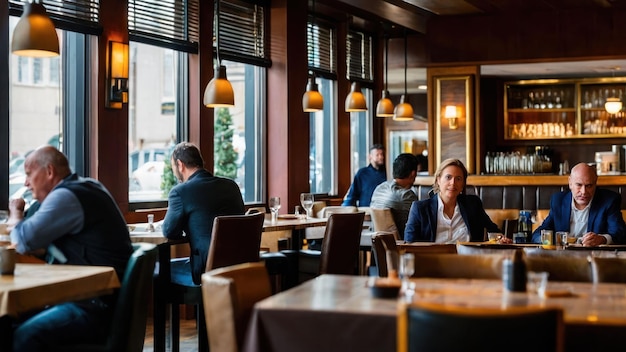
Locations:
(355, 101)
(219, 92)
(384, 108)
(404, 110)
(613, 105)
(34, 34)
(312, 99)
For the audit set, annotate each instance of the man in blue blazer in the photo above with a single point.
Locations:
(193, 205)
(592, 214)
(449, 215)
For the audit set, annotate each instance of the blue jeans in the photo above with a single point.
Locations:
(64, 324)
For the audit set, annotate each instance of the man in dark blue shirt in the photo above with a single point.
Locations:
(367, 178)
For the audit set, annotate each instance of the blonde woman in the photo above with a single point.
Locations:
(449, 215)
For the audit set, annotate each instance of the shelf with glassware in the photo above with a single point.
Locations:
(546, 109)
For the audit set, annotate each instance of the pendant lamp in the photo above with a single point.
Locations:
(312, 100)
(404, 110)
(384, 108)
(34, 34)
(613, 105)
(355, 101)
(219, 92)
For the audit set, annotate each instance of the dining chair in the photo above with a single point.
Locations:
(229, 294)
(608, 270)
(488, 266)
(235, 239)
(128, 326)
(382, 220)
(381, 243)
(435, 327)
(561, 268)
(340, 248)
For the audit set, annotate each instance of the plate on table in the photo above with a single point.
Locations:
(288, 216)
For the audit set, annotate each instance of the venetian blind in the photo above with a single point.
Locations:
(166, 23)
(321, 48)
(72, 15)
(359, 56)
(242, 32)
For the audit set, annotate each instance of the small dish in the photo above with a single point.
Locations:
(385, 287)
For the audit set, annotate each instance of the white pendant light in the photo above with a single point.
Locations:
(34, 34)
(384, 108)
(219, 92)
(404, 110)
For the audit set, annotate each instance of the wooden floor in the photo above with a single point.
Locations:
(188, 337)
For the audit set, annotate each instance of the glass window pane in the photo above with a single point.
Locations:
(35, 116)
(361, 134)
(238, 131)
(152, 119)
(322, 142)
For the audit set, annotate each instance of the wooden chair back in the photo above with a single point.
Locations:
(235, 239)
(342, 239)
(382, 219)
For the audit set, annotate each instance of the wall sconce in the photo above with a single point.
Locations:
(117, 73)
(451, 114)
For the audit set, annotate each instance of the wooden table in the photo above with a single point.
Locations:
(338, 313)
(38, 285)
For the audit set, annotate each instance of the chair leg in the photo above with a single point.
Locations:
(175, 327)
(159, 324)
(203, 340)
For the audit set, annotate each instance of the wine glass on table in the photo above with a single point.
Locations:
(306, 199)
(274, 204)
(407, 268)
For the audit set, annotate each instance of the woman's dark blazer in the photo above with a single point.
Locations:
(422, 223)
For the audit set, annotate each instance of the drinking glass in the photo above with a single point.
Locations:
(407, 266)
(151, 223)
(561, 239)
(274, 204)
(4, 216)
(546, 237)
(306, 199)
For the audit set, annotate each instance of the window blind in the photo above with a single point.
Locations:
(167, 23)
(359, 56)
(242, 32)
(321, 48)
(72, 15)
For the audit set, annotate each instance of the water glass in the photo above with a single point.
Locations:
(546, 237)
(306, 199)
(150, 222)
(274, 204)
(537, 282)
(561, 239)
(407, 266)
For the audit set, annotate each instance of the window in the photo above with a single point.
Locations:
(152, 130)
(321, 50)
(239, 131)
(59, 109)
(162, 35)
(238, 134)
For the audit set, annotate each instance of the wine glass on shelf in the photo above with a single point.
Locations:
(274, 204)
(306, 199)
